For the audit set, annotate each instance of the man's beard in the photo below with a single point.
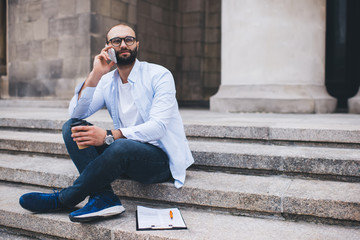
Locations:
(123, 61)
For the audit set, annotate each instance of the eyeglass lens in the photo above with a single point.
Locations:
(117, 41)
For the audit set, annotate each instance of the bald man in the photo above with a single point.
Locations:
(147, 144)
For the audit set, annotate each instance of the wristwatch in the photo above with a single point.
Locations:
(109, 138)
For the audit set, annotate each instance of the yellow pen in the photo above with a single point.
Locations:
(171, 214)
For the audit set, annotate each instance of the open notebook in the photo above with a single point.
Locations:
(158, 219)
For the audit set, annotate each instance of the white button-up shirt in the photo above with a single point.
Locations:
(153, 90)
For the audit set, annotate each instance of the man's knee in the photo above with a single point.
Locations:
(123, 145)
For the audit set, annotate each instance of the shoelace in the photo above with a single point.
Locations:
(94, 196)
(57, 202)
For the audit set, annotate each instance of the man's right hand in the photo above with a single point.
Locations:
(88, 135)
(100, 67)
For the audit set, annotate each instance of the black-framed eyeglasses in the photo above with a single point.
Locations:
(116, 41)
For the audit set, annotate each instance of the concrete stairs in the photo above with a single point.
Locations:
(256, 176)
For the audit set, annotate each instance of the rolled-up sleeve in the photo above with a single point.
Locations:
(90, 101)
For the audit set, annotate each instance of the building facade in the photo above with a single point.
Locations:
(51, 43)
(229, 55)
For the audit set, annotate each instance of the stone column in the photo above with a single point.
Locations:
(273, 57)
(4, 81)
(2, 38)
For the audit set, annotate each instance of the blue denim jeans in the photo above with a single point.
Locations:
(100, 166)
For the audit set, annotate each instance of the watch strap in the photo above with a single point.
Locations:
(109, 138)
(108, 133)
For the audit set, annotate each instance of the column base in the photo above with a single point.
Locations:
(4, 87)
(273, 98)
(354, 103)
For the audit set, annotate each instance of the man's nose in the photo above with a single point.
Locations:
(122, 44)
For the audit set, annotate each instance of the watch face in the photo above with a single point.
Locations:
(109, 140)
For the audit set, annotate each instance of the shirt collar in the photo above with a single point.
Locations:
(134, 72)
(132, 76)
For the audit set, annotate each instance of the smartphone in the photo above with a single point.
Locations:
(112, 55)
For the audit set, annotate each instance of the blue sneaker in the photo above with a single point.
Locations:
(99, 206)
(41, 202)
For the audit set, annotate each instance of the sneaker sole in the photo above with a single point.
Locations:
(108, 212)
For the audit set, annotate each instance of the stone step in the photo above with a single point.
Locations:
(35, 142)
(201, 224)
(238, 194)
(314, 162)
(321, 129)
(6, 233)
(34, 103)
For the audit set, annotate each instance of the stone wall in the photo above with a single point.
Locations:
(52, 43)
(49, 46)
(211, 66)
(184, 36)
(158, 32)
(191, 46)
(107, 13)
